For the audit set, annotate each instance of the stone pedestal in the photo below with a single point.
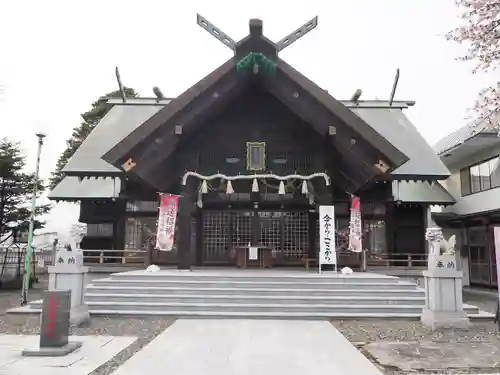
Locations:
(68, 273)
(443, 285)
(443, 295)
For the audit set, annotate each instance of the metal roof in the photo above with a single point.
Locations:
(416, 192)
(397, 129)
(119, 122)
(135, 101)
(348, 103)
(74, 188)
(123, 118)
(462, 135)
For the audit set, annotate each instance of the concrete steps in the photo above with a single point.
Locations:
(350, 291)
(255, 294)
(249, 299)
(256, 277)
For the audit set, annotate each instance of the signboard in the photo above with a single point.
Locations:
(64, 256)
(166, 222)
(443, 261)
(355, 228)
(253, 253)
(327, 254)
(54, 330)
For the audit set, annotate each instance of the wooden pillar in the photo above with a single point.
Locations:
(184, 244)
(148, 259)
(389, 227)
(199, 237)
(256, 226)
(312, 218)
(428, 223)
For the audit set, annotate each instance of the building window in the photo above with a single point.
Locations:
(142, 206)
(495, 171)
(100, 230)
(138, 232)
(465, 181)
(480, 177)
(475, 179)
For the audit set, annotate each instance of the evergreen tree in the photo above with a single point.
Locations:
(90, 119)
(16, 189)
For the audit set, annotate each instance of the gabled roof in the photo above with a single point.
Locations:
(377, 113)
(356, 123)
(121, 151)
(140, 133)
(118, 123)
(149, 146)
(123, 118)
(393, 124)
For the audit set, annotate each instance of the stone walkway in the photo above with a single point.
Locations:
(228, 347)
(95, 351)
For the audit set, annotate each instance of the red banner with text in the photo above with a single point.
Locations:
(167, 215)
(355, 228)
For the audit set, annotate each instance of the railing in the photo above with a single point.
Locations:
(110, 257)
(12, 260)
(399, 260)
(44, 258)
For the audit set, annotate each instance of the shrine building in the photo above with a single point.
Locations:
(297, 145)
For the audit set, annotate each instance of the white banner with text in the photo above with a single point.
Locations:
(327, 253)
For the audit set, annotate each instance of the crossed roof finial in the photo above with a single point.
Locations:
(281, 45)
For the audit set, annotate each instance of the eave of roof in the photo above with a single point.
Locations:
(72, 188)
(432, 193)
(376, 103)
(460, 136)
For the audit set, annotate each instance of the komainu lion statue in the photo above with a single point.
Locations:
(447, 247)
(438, 245)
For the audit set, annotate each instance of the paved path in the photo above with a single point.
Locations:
(95, 351)
(229, 347)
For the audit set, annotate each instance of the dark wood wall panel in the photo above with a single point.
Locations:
(256, 116)
(409, 229)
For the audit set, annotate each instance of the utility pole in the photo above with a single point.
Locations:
(29, 249)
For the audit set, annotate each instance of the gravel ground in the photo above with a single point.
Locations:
(145, 329)
(366, 331)
(363, 332)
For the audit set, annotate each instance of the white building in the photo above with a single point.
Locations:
(472, 156)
